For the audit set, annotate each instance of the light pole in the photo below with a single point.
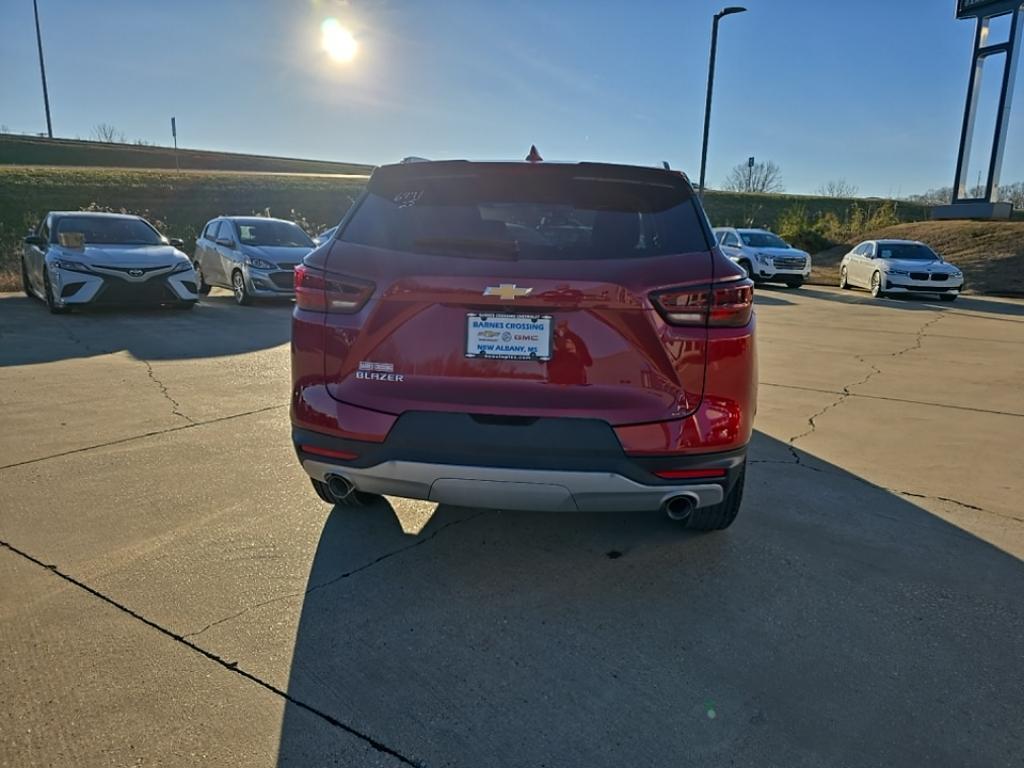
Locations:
(42, 70)
(711, 86)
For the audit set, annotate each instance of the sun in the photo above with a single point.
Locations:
(338, 41)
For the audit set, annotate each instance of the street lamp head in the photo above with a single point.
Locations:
(730, 10)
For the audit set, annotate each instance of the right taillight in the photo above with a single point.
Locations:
(720, 305)
(318, 291)
(732, 304)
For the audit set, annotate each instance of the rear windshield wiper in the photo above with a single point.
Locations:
(470, 248)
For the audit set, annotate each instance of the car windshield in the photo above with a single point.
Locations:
(763, 240)
(270, 232)
(539, 215)
(906, 252)
(103, 230)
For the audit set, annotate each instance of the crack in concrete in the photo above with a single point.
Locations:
(336, 579)
(798, 462)
(144, 435)
(845, 394)
(894, 399)
(175, 405)
(956, 502)
(231, 666)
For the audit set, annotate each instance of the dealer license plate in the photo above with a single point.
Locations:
(508, 337)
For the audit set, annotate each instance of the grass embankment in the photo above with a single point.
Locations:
(31, 150)
(178, 203)
(990, 253)
(733, 209)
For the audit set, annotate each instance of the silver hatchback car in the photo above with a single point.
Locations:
(254, 256)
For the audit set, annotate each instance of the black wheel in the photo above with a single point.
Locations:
(745, 265)
(844, 279)
(202, 287)
(720, 516)
(947, 296)
(238, 287)
(25, 285)
(48, 293)
(354, 499)
(794, 282)
(184, 305)
(876, 286)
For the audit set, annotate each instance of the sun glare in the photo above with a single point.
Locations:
(338, 41)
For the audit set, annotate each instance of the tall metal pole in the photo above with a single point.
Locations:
(711, 87)
(707, 105)
(42, 70)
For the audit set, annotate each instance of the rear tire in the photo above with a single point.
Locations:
(185, 305)
(720, 516)
(354, 499)
(844, 279)
(947, 296)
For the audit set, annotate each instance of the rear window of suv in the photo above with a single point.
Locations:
(537, 214)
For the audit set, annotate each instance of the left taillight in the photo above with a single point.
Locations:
(728, 305)
(318, 291)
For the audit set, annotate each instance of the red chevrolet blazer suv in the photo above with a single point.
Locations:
(526, 336)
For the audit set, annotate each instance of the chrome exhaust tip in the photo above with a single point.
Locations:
(679, 508)
(339, 486)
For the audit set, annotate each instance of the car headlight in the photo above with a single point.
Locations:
(957, 273)
(764, 258)
(253, 261)
(182, 266)
(72, 265)
(892, 271)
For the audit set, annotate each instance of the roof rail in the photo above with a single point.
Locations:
(414, 159)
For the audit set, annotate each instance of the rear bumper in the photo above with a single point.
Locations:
(581, 471)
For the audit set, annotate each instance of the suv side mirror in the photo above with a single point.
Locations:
(35, 240)
(227, 242)
(177, 242)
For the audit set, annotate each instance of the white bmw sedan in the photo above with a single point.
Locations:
(899, 266)
(77, 258)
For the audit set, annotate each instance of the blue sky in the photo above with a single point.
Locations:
(871, 91)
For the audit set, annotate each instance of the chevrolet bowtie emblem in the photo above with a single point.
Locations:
(507, 292)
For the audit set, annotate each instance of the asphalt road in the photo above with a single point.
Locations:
(172, 592)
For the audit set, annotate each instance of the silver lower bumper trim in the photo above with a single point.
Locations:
(512, 489)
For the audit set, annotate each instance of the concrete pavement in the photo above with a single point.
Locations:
(172, 592)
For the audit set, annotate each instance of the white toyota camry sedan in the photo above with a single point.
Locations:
(900, 266)
(76, 258)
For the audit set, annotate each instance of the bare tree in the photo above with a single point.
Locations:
(1013, 193)
(838, 188)
(108, 133)
(940, 196)
(760, 177)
